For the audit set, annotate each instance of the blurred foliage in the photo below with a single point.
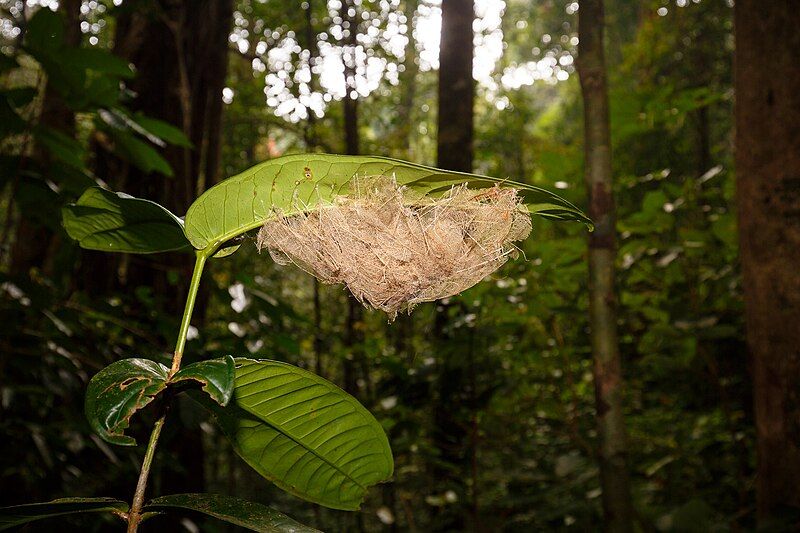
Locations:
(526, 408)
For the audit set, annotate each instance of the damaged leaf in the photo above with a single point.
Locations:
(119, 390)
(215, 376)
(124, 387)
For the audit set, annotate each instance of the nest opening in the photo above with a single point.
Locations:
(393, 249)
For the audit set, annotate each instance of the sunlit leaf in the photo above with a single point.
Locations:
(304, 434)
(119, 390)
(22, 514)
(115, 222)
(293, 183)
(250, 515)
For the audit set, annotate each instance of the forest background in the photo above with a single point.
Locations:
(487, 397)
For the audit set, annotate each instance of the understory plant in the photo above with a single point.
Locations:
(296, 429)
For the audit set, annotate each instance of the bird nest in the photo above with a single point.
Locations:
(393, 249)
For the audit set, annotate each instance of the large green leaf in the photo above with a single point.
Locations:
(116, 222)
(119, 390)
(253, 516)
(304, 434)
(242, 203)
(21, 514)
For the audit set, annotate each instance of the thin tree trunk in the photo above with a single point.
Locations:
(454, 152)
(309, 132)
(350, 17)
(614, 478)
(408, 84)
(456, 87)
(767, 85)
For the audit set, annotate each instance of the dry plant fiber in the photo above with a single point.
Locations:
(393, 250)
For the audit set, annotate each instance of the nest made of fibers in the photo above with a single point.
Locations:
(393, 249)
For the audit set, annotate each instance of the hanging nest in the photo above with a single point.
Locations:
(394, 250)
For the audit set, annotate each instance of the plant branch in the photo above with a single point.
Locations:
(135, 514)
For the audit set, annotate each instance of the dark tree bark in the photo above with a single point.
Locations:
(350, 17)
(181, 82)
(456, 87)
(454, 152)
(767, 85)
(408, 84)
(614, 478)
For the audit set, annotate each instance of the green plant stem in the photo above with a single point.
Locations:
(135, 514)
(187, 312)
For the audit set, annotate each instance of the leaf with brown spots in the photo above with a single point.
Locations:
(119, 390)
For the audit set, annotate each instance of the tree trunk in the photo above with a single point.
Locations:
(453, 152)
(181, 82)
(614, 480)
(408, 84)
(350, 17)
(767, 86)
(456, 87)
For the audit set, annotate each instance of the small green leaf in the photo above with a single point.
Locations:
(61, 147)
(243, 202)
(215, 375)
(139, 153)
(163, 130)
(304, 433)
(225, 251)
(97, 60)
(115, 222)
(119, 390)
(17, 515)
(250, 515)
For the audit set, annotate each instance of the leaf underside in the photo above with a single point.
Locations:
(116, 222)
(299, 182)
(21, 514)
(251, 515)
(304, 434)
